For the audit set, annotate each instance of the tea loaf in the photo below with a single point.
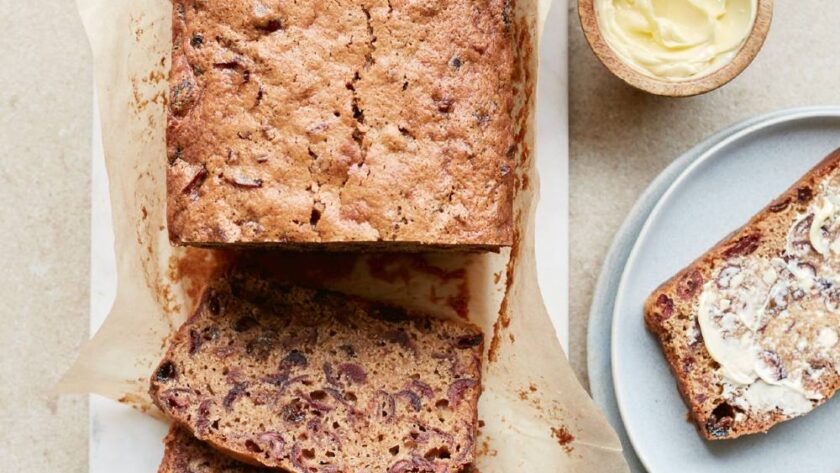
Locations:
(182, 453)
(750, 329)
(308, 380)
(361, 122)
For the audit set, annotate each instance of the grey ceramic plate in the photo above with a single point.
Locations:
(703, 195)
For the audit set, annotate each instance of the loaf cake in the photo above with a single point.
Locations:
(307, 380)
(750, 329)
(361, 122)
(182, 453)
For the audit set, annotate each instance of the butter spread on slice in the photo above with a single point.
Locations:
(771, 322)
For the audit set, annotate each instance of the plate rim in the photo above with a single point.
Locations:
(601, 369)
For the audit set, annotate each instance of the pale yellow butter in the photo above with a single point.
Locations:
(676, 39)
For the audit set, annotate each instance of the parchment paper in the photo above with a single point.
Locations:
(536, 416)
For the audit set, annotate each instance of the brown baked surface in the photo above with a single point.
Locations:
(671, 313)
(183, 453)
(298, 379)
(360, 121)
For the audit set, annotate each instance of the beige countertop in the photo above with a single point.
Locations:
(620, 140)
(45, 135)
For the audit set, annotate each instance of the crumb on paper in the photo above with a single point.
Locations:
(166, 300)
(525, 394)
(484, 450)
(137, 402)
(503, 319)
(526, 181)
(192, 269)
(156, 76)
(143, 99)
(564, 438)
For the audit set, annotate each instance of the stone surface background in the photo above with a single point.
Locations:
(45, 147)
(620, 140)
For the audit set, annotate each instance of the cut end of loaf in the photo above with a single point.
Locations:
(298, 379)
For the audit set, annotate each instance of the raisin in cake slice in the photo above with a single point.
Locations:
(311, 381)
(750, 329)
(183, 453)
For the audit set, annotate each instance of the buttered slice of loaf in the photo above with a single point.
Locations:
(311, 381)
(750, 329)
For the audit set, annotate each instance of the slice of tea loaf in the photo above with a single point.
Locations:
(184, 454)
(311, 381)
(751, 328)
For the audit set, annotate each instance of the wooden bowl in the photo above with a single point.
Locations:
(672, 88)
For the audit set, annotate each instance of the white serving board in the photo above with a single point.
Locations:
(124, 440)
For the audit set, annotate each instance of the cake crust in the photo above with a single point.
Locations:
(183, 453)
(758, 264)
(359, 122)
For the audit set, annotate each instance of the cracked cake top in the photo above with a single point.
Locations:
(341, 122)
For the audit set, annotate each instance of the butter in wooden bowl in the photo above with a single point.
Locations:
(676, 47)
